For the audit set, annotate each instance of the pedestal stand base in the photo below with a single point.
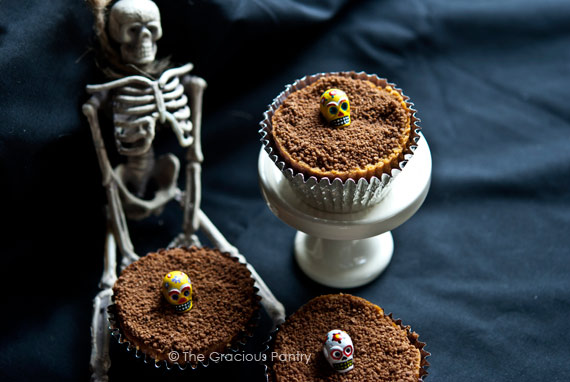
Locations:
(343, 263)
(346, 250)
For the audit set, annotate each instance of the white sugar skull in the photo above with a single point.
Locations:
(135, 25)
(339, 351)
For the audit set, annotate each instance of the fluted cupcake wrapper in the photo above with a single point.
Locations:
(413, 337)
(336, 195)
(414, 340)
(236, 346)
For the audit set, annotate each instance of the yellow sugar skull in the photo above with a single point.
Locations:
(335, 107)
(177, 290)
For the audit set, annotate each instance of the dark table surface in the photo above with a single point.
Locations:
(481, 272)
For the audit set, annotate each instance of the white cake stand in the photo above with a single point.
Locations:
(346, 250)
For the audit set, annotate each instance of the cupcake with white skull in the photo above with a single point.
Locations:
(341, 337)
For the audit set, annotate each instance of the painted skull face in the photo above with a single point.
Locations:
(177, 290)
(335, 107)
(339, 351)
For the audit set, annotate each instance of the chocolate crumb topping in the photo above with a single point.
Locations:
(224, 302)
(383, 350)
(378, 134)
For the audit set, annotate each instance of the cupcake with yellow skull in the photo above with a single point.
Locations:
(178, 306)
(340, 138)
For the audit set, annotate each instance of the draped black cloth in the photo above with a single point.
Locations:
(481, 272)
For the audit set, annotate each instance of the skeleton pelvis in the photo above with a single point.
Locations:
(164, 175)
(134, 136)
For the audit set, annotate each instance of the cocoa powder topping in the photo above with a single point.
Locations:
(378, 123)
(382, 350)
(224, 301)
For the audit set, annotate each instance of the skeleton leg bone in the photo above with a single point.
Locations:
(272, 306)
(194, 218)
(120, 228)
(100, 361)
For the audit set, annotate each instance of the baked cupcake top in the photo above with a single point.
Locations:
(373, 143)
(223, 294)
(383, 349)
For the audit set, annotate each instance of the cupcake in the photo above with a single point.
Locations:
(341, 337)
(181, 305)
(340, 138)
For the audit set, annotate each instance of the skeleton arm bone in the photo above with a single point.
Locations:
(90, 109)
(116, 214)
(195, 87)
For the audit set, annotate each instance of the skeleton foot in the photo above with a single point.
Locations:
(100, 360)
(184, 240)
(126, 261)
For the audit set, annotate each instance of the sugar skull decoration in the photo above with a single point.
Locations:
(335, 107)
(339, 351)
(177, 290)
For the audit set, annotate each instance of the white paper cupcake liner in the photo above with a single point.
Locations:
(336, 195)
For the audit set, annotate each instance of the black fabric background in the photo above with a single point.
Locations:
(481, 272)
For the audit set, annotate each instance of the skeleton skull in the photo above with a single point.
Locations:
(135, 25)
(339, 351)
(177, 290)
(335, 107)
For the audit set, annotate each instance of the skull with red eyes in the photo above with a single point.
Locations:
(339, 351)
(177, 290)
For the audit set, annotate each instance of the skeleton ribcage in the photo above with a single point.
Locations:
(137, 107)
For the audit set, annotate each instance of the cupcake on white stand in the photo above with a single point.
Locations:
(343, 249)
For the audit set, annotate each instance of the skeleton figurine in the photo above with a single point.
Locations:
(142, 103)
